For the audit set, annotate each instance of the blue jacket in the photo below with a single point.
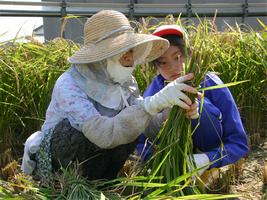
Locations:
(220, 133)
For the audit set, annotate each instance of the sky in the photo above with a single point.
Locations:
(23, 26)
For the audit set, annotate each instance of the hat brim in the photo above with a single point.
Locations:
(121, 43)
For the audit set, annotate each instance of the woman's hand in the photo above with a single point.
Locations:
(192, 112)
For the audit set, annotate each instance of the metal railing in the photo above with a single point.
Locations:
(132, 9)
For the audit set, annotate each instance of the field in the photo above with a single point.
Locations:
(29, 70)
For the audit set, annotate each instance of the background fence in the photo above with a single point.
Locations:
(53, 11)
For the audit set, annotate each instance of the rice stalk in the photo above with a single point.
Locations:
(174, 140)
(27, 76)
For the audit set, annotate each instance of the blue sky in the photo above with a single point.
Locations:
(23, 26)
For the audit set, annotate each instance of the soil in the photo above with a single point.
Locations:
(251, 181)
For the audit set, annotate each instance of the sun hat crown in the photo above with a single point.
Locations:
(109, 33)
(104, 24)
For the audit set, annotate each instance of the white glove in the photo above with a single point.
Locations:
(201, 160)
(170, 95)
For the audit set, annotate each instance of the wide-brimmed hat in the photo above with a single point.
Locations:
(108, 33)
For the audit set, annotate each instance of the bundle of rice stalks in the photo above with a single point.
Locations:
(9, 170)
(20, 187)
(70, 185)
(8, 166)
(174, 143)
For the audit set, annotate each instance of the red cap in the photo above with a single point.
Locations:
(168, 30)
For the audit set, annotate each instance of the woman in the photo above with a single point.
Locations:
(220, 138)
(96, 113)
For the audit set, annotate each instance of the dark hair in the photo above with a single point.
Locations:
(176, 41)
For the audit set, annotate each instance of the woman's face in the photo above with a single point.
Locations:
(171, 64)
(127, 59)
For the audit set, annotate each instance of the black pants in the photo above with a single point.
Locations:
(70, 145)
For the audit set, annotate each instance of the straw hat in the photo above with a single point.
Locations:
(108, 33)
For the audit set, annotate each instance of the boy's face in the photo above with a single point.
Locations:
(127, 59)
(171, 64)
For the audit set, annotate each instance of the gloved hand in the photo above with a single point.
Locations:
(172, 94)
(200, 160)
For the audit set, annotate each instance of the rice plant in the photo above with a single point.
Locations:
(243, 58)
(27, 75)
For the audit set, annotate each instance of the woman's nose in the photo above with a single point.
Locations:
(127, 59)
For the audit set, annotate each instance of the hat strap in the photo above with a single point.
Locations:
(121, 29)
